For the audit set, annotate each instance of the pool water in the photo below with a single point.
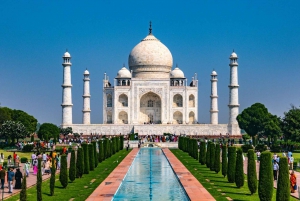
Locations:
(150, 177)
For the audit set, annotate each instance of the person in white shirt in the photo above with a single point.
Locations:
(291, 161)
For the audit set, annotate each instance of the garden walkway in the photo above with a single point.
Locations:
(296, 194)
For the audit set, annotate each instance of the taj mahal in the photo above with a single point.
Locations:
(150, 97)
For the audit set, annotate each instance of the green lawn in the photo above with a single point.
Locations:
(216, 183)
(80, 189)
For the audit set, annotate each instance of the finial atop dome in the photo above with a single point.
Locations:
(150, 28)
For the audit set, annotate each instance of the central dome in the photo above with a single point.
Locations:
(150, 59)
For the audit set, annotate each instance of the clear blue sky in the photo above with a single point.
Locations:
(200, 35)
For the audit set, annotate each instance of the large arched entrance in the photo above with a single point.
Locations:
(150, 109)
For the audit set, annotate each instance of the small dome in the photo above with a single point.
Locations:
(67, 54)
(124, 73)
(214, 73)
(233, 56)
(86, 72)
(177, 73)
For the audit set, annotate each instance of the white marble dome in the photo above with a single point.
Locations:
(124, 73)
(214, 73)
(150, 58)
(67, 54)
(177, 73)
(233, 55)
(86, 72)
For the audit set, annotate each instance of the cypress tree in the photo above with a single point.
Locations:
(283, 185)
(217, 158)
(104, 149)
(63, 175)
(52, 178)
(99, 154)
(265, 184)
(86, 169)
(121, 142)
(239, 169)
(208, 155)
(231, 164)
(202, 157)
(212, 156)
(95, 153)
(72, 170)
(39, 181)
(23, 193)
(224, 160)
(91, 157)
(251, 172)
(80, 163)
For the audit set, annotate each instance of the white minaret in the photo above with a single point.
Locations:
(86, 112)
(214, 99)
(233, 89)
(67, 92)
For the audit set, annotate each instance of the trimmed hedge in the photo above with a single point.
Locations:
(265, 184)
(239, 169)
(231, 164)
(208, 155)
(80, 162)
(39, 181)
(212, 156)
(95, 153)
(72, 170)
(24, 160)
(202, 157)
(91, 157)
(86, 167)
(23, 193)
(251, 172)
(52, 178)
(224, 160)
(283, 185)
(63, 175)
(217, 158)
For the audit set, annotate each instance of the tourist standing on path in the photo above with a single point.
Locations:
(18, 178)
(2, 159)
(258, 155)
(10, 179)
(15, 158)
(26, 168)
(291, 161)
(2, 177)
(275, 170)
(293, 182)
(33, 157)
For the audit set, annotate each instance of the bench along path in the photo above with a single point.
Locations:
(296, 194)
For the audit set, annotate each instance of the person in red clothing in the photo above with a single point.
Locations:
(15, 158)
(64, 150)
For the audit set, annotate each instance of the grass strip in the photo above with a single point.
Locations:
(216, 184)
(81, 188)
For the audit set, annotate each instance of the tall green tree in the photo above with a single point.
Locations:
(217, 158)
(91, 157)
(80, 162)
(27, 120)
(239, 169)
(265, 184)
(212, 156)
(66, 131)
(251, 172)
(208, 155)
(290, 124)
(231, 164)
(39, 181)
(283, 185)
(47, 131)
(95, 153)
(63, 176)
(224, 160)
(72, 169)
(23, 193)
(5, 114)
(202, 157)
(86, 169)
(13, 130)
(52, 178)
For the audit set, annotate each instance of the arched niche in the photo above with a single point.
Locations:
(191, 117)
(191, 100)
(108, 100)
(109, 117)
(177, 100)
(150, 109)
(123, 117)
(177, 117)
(123, 100)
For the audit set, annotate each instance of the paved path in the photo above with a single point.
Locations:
(107, 189)
(192, 186)
(296, 194)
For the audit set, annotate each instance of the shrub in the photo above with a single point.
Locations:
(95, 154)
(208, 155)
(283, 185)
(231, 164)
(52, 178)
(239, 169)
(91, 157)
(251, 172)
(217, 158)
(246, 147)
(196, 149)
(212, 156)
(261, 147)
(275, 148)
(86, 166)
(79, 163)
(224, 160)
(63, 176)
(23, 193)
(39, 181)
(27, 148)
(72, 170)
(24, 160)
(265, 184)
(202, 157)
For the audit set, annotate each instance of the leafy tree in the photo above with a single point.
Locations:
(39, 181)
(52, 178)
(91, 157)
(63, 176)
(231, 164)
(224, 160)
(23, 193)
(13, 130)
(212, 156)
(47, 131)
(27, 120)
(5, 114)
(86, 169)
(290, 124)
(80, 163)
(66, 131)
(217, 158)
(72, 170)
(265, 184)
(95, 153)
(251, 172)
(239, 169)
(202, 157)
(208, 155)
(283, 185)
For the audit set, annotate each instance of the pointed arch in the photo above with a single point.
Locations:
(177, 117)
(123, 100)
(108, 100)
(191, 117)
(177, 100)
(123, 117)
(191, 100)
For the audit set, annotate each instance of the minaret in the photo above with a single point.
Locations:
(67, 92)
(233, 89)
(86, 112)
(214, 99)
